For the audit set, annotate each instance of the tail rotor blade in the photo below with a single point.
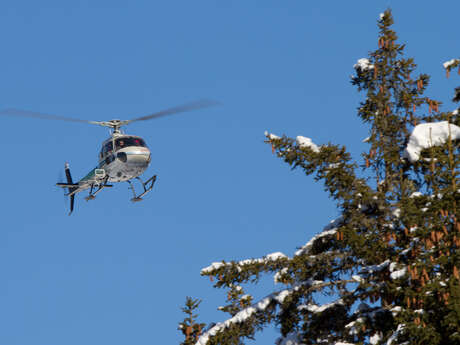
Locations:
(67, 174)
(61, 180)
(72, 202)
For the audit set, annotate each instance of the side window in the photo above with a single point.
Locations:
(120, 143)
(108, 147)
(129, 141)
(138, 142)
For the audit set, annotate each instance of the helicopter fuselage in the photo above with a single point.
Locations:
(124, 157)
(126, 164)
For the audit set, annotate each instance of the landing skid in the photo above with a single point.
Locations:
(147, 185)
(92, 195)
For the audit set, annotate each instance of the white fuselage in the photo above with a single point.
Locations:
(128, 163)
(124, 157)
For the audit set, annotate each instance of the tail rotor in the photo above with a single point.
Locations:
(70, 189)
(60, 179)
(69, 186)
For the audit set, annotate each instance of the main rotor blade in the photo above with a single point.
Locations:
(179, 109)
(37, 115)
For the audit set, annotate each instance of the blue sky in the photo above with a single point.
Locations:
(116, 272)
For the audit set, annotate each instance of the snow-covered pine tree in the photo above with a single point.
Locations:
(390, 263)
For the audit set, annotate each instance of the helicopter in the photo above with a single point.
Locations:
(123, 157)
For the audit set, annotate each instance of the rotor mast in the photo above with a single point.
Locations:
(115, 125)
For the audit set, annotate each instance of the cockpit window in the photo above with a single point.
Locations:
(107, 148)
(128, 141)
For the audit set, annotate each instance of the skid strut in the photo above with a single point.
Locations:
(147, 185)
(92, 195)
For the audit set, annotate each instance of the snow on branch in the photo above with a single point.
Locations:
(246, 313)
(451, 64)
(276, 298)
(397, 273)
(306, 142)
(375, 268)
(363, 65)
(427, 135)
(394, 336)
(271, 136)
(329, 230)
(266, 259)
(301, 141)
(313, 308)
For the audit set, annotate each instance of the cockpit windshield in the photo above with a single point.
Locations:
(128, 141)
(107, 148)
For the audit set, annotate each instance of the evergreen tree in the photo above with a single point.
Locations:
(390, 263)
(189, 327)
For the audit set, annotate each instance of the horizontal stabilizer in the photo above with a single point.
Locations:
(67, 185)
(70, 185)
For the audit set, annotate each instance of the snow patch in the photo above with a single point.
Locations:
(449, 63)
(268, 258)
(358, 279)
(427, 135)
(396, 310)
(307, 142)
(376, 268)
(243, 315)
(398, 274)
(319, 309)
(309, 244)
(328, 230)
(212, 267)
(271, 136)
(282, 296)
(375, 339)
(395, 334)
(279, 274)
(397, 212)
(363, 65)
(275, 256)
